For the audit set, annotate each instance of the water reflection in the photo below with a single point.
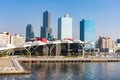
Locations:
(70, 71)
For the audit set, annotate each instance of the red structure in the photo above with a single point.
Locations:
(70, 39)
(41, 39)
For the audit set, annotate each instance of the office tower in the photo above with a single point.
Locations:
(105, 44)
(87, 32)
(46, 31)
(29, 32)
(65, 27)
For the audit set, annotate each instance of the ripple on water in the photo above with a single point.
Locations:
(70, 71)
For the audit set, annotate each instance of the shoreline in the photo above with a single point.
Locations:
(15, 65)
(62, 59)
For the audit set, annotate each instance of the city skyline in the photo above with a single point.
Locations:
(16, 14)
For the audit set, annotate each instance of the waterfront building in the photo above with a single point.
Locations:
(46, 31)
(29, 32)
(5, 38)
(64, 27)
(106, 44)
(17, 39)
(87, 32)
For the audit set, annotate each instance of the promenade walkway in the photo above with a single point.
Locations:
(11, 66)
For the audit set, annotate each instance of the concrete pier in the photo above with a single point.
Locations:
(11, 66)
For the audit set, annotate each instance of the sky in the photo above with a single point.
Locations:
(16, 14)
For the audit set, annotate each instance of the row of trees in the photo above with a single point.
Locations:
(4, 53)
(28, 54)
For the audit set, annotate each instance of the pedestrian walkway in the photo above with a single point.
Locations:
(11, 66)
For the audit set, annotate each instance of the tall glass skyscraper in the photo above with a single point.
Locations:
(87, 32)
(65, 27)
(46, 31)
(29, 32)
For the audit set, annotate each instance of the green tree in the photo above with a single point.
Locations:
(22, 54)
(28, 54)
(4, 53)
(36, 53)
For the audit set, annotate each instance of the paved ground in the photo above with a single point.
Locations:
(10, 66)
(6, 63)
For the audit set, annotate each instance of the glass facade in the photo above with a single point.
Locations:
(87, 32)
(46, 31)
(29, 32)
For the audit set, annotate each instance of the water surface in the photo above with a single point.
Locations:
(70, 71)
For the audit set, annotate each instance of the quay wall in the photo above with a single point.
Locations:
(38, 60)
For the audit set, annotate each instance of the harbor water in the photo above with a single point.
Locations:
(70, 71)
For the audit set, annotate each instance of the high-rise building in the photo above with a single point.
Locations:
(29, 32)
(65, 27)
(105, 44)
(87, 32)
(46, 31)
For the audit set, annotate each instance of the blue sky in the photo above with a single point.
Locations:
(16, 14)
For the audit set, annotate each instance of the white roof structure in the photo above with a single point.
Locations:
(37, 43)
(77, 41)
(54, 42)
(66, 41)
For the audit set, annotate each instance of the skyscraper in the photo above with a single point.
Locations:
(87, 32)
(65, 27)
(29, 32)
(46, 31)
